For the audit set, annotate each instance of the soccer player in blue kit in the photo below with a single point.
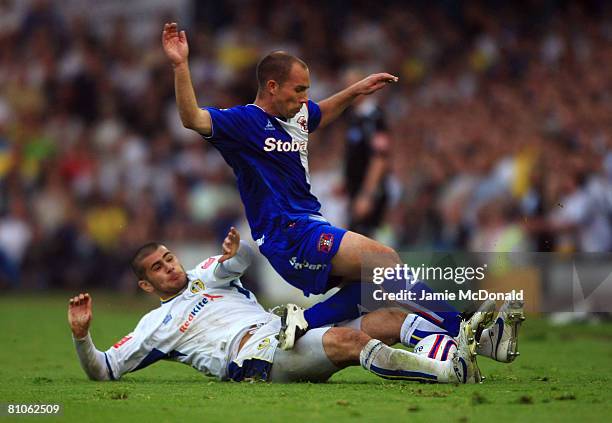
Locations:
(265, 143)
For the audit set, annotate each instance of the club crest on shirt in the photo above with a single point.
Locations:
(326, 241)
(303, 123)
(197, 286)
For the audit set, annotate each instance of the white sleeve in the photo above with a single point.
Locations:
(92, 361)
(237, 265)
(219, 275)
(134, 351)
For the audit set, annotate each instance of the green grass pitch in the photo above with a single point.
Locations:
(563, 374)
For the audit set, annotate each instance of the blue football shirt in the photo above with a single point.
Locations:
(269, 157)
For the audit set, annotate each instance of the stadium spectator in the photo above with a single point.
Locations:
(481, 84)
(366, 162)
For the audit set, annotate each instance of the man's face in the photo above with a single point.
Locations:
(293, 93)
(164, 272)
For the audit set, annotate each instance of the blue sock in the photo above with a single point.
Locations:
(440, 313)
(343, 305)
(415, 328)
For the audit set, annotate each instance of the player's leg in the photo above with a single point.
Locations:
(326, 256)
(306, 362)
(346, 305)
(499, 341)
(295, 321)
(321, 352)
(357, 255)
(393, 326)
(348, 262)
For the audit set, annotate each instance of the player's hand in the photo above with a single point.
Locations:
(374, 83)
(231, 243)
(79, 315)
(175, 44)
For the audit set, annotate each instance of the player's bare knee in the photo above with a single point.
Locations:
(396, 316)
(386, 256)
(380, 256)
(391, 316)
(384, 324)
(391, 255)
(343, 345)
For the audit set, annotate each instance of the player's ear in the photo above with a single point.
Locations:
(272, 86)
(146, 286)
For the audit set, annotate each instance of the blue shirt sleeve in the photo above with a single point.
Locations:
(227, 124)
(314, 116)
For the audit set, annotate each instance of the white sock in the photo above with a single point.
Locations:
(416, 328)
(391, 363)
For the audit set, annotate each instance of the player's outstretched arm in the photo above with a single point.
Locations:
(177, 50)
(79, 317)
(237, 256)
(230, 245)
(333, 106)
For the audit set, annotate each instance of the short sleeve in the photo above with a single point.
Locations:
(314, 116)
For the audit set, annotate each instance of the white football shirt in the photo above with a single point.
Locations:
(199, 326)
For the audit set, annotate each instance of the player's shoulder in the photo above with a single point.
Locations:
(248, 116)
(203, 268)
(240, 110)
(207, 263)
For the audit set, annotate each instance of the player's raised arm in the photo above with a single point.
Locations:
(333, 106)
(237, 256)
(79, 315)
(230, 245)
(177, 50)
(79, 318)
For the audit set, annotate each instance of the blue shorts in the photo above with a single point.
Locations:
(302, 251)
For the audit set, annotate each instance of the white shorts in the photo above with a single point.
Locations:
(306, 362)
(254, 360)
(261, 359)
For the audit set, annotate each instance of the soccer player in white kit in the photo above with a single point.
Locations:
(210, 321)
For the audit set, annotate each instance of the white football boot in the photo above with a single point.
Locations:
(500, 341)
(464, 360)
(293, 324)
(482, 318)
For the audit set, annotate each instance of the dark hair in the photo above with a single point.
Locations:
(140, 254)
(276, 66)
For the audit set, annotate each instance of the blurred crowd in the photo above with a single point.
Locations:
(501, 124)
